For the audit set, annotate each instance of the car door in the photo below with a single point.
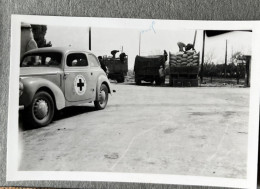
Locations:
(77, 78)
(94, 66)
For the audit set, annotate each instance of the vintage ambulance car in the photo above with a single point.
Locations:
(54, 78)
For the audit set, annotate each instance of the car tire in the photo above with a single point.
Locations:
(101, 103)
(41, 111)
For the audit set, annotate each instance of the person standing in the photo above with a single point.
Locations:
(103, 66)
(165, 55)
(27, 40)
(181, 46)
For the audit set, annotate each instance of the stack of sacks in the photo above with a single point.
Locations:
(181, 59)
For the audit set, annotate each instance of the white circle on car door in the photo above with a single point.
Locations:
(80, 84)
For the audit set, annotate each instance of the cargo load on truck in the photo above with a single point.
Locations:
(149, 69)
(117, 67)
(184, 68)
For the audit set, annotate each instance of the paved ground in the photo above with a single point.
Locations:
(146, 129)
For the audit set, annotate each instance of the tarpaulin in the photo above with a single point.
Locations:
(212, 33)
(149, 62)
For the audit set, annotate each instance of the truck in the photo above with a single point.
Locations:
(184, 69)
(117, 67)
(147, 68)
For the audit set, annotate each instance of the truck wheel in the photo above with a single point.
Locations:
(158, 81)
(102, 98)
(121, 79)
(163, 80)
(41, 111)
(170, 80)
(138, 81)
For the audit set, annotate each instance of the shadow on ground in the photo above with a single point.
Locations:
(59, 115)
(73, 111)
(146, 84)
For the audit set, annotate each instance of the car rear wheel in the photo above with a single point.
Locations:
(102, 98)
(41, 111)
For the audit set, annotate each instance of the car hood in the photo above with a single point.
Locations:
(30, 71)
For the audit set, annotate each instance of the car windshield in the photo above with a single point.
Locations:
(42, 60)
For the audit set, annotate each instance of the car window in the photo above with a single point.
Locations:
(93, 61)
(41, 60)
(77, 59)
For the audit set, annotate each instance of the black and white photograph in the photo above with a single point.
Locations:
(131, 100)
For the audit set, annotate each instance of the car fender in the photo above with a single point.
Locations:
(103, 79)
(32, 84)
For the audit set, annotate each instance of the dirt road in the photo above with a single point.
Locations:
(146, 129)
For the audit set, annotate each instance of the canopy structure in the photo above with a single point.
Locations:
(213, 33)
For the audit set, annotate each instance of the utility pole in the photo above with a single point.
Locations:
(194, 41)
(202, 58)
(225, 72)
(89, 38)
(232, 55)
(139, 43)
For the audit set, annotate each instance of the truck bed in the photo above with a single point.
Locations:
(148, 65)
(115, 65)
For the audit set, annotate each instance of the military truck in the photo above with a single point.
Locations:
(147, 68)
(184, 69)
(117, 67)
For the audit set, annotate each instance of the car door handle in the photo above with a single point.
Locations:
(65, 75)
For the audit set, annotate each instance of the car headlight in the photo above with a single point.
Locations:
(20, 88)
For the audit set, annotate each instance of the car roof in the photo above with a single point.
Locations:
(62, 50)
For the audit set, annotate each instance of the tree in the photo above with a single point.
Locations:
(209, 66)
(209, 57)
(231, 70)
(239, 59)
(39, 32)
(237, 55)
(220, 70)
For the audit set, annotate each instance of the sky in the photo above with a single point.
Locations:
(237, 41)
(153, 41)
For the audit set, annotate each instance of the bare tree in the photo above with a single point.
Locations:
(209, 66)
(209, 57)
(240, 70)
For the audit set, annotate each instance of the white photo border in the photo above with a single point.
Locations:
(12, 130)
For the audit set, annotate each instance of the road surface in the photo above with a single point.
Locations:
(199, 131)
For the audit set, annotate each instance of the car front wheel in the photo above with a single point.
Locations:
(102, 98)
(41, 111)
